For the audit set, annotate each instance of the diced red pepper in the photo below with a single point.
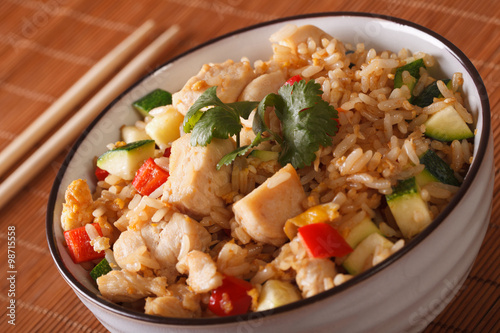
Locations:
(323, 241)
(167, 152)
(100, 173)
(149, 177)
(231, 298)
(293, 80)
(79, 246)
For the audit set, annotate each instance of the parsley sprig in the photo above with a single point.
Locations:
(307, 121)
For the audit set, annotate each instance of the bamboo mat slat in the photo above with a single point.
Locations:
(45, 46)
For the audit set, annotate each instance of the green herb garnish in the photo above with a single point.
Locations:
(220, 121)
(307, 121)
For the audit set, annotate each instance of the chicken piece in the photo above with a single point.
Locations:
(259, 88)
(315, 276)
(247, 135)
(263, 85)
(100, 244)
(312, 275)
(131, 253)
(194, 178)
(264, 211)
(179, 236)
(301, 35)
(78, 208)
(291, 255)
(203, 275)
(167, 306)
(123, 286)
(189, 299)
(229, 77)
(232, 260)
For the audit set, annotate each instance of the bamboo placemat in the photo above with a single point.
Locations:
(45, 46)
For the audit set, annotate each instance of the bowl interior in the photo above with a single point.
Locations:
(381, 33)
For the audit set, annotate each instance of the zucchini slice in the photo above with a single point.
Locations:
(413, 68)
(102, 268)
(154, 99)
(408, 208)
(126, 160)
(276, 293)
(264, 155)
(438, 169)
(361, 258)
(430, 92)
(447, 125)
(360, 231)
(424, 178)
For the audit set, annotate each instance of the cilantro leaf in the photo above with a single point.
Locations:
(215, 123)
(243, 108)
(229, 158)
(259, 125)
(220, 121)
(241, 151)
(307, 122)
(208, 98)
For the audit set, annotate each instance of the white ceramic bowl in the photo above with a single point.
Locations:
(405, 292)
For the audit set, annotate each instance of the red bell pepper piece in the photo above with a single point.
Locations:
(231, 298)
(100, 173)
(293, 80)
(167, 152)
(149, 177)
(323, 241)
(79, 246)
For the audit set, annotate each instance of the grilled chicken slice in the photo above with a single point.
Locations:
(264, 211)
(194, 178)
(229, 77)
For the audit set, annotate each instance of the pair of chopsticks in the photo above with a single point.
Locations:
(70, 99)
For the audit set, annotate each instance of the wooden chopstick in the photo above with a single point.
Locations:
(75, 126)
(73, 96)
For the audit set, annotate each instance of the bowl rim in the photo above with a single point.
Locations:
(185, 322)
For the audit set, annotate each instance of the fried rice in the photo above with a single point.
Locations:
(380, 138)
